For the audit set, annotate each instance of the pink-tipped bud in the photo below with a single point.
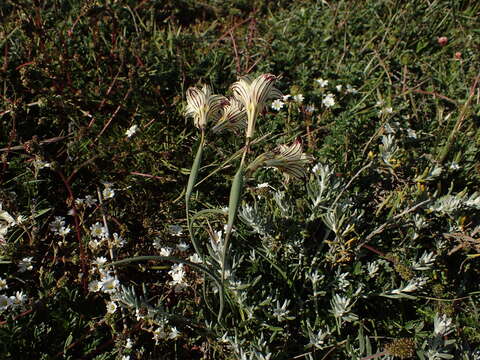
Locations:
(442, 41)
(458, 55)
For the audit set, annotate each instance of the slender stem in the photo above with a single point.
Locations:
(228, 232)
(187, 202)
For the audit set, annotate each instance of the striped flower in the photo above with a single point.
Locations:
(233, 117)
(202, 105)
(290, 160)
(254, 95)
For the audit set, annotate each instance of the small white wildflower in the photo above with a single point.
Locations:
(109, 284)
(322, 82)
(316, 169)
(3, 284)
(166, 251)
(140, 315)
(411, 133)
(454, 166)
(94, 286)
(108, 193)
(18, 299)
(126, 357)
(183, 246)
(64, 231)
(329, 100)
(442, 325)
(351, 89)
(195, 258)
(111, 307)
(94, 244)
(5, 302)
(298, 98)
(277, 105)
(129, 344)
(25, 264)
(175, 230)
(177, 273)
(118, 241)
(380, 103)
(286, 98)
(99, 261)
(98, 231)
(174, 333)
(57, 224)
(131, 131)
(339, 88)
(159, 334)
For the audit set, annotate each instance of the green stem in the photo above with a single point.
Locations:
(191, 183)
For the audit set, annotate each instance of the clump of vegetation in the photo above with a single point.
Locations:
(327, 211)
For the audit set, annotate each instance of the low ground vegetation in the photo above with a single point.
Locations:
(338, 220)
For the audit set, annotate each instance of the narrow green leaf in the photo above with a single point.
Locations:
(194, 170)
(235, 196)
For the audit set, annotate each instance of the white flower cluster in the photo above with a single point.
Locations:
(57, 226)
(177, 272)
(14, 302)
(108, 192)
(25, 264)
(278, 104)
(6, 221)
(87, 202)
(108, 282)
(131, 131)
(162, 333)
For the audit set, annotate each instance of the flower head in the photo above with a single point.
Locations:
(202, 105)
(131, 131)
(322, 82)
(329, 100)
(233, 118)
(290, 160)
(277, 104)
(254, 95)
(299, 98)
(111, 307)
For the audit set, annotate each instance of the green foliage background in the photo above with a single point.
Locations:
(75, 75)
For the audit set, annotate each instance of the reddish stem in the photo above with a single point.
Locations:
(77, 230)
